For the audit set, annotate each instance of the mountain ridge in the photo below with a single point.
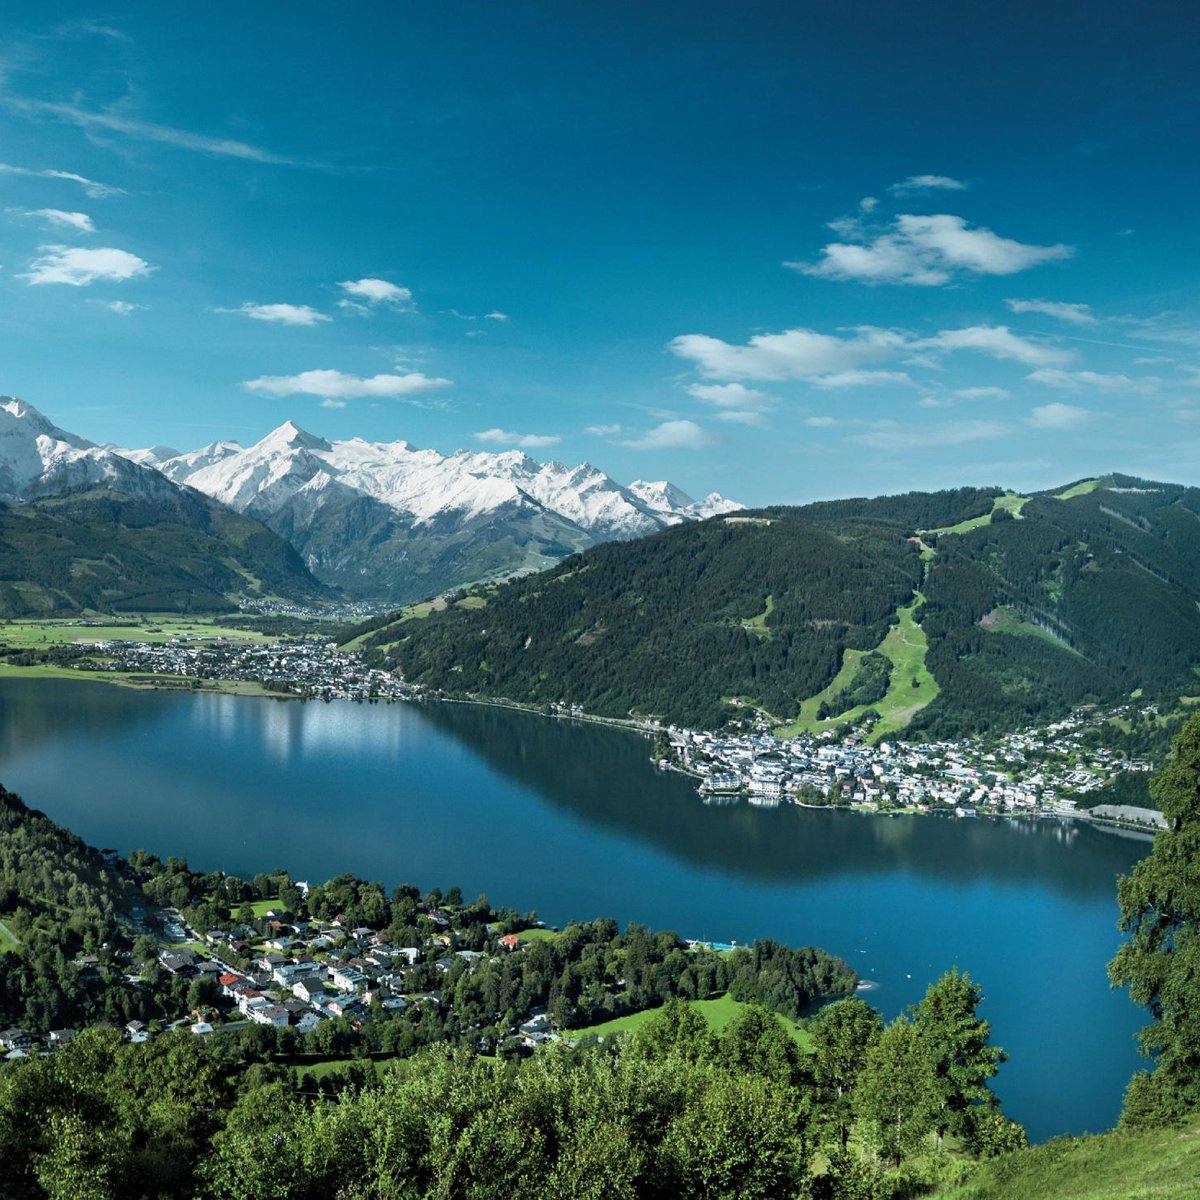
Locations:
(85, 528)
(422, 522)
(993, 610)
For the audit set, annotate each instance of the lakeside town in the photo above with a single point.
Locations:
(1042, 771)
(1035, 772)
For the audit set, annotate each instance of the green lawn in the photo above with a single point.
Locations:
(905, 645)
(1008, 620)
(1010, 501)
(1158, 1165)
(536, 935)
(6, 943)
(758, 625)
(716, 1013)
(141, 627)
(1080, 489)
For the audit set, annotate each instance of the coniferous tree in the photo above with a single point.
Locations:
(1160, 962)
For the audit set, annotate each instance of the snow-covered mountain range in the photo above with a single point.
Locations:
(384, 521)
(38, 459)
(83, 528)
(389, 520)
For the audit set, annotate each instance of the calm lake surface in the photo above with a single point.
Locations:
(572, 820)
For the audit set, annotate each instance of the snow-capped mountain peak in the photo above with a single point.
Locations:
(39, 459)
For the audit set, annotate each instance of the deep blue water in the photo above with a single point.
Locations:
(572, 820)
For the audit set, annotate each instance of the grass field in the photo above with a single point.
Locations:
(1158, 1165)
(6, 942)
(139, 679)
(716, 1013)
(1007, 620)
(1010, 502)
(1080, 489)
(910, 689)
(536, 935)
(758, 625)
(139, 628)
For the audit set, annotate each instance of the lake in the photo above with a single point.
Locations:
(572, 820)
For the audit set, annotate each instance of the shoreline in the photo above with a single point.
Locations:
(255, 691)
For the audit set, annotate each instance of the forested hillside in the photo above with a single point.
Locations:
(1029, 606)
(174, 552)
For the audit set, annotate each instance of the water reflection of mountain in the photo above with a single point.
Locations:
(603, 776)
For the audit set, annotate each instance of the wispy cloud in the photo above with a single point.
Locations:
(80, 267)
(123, 308)
(792, 354)
(927, 183)
(376, 291)
(336, 385)
(604, 430)
(495, 315)
(97, 191)
(673, 435)
(57, 218)
(923, 251)
(888, 435)
(1059, 416)
(1074, 381)
(998, 341)
(523, 441)
(279, 314)
(860, 378)
(1076, 314)
(731, 396)
(364, 294)
(982, 393)
(148, 131)
(736, 416)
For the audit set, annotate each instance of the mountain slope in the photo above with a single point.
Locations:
(1159, 1163)
(82, 527)
(1025, 607)
(388, 520)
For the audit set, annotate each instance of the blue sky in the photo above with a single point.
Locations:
(785, 251)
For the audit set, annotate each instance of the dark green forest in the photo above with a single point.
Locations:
(177, 551)
(1070, 601)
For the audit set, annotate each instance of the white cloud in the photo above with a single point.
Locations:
(57, 217)
(604, 430)
(999, 342)
(334, 385)
(1077, 314)
(924, 251)
(1058, 416)
(96, 190)
(738, 417)
(730, 395)
(982, 393)
(148, 131)
(887, 435)
(525, 441)
(122, 307)
(495, 316)
(673, 435)
(858, 378)
(821, 422)
(793, 354)
(376, 291)
(1074, 381)
(80, 267)
(925, 183)
(280, 314)
(330, 403)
